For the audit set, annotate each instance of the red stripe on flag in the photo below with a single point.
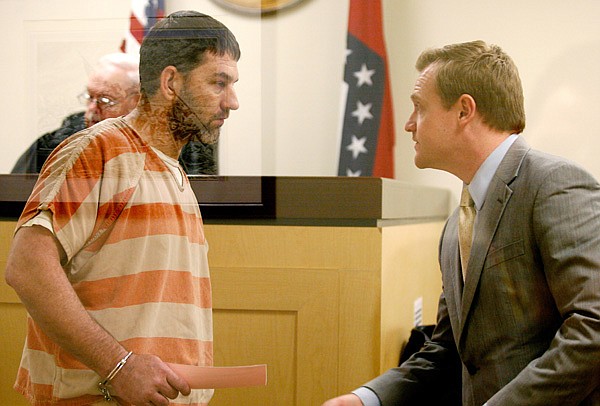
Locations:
(137, 29)
(365, 24)
(153, 10)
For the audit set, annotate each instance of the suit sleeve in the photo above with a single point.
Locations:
(567, 230)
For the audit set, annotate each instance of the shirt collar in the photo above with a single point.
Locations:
(483, 177)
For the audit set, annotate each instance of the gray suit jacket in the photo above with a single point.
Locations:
(525, 327)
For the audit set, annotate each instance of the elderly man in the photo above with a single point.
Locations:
(112, 91)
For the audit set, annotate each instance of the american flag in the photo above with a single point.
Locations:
(144, 14)
(368, 136)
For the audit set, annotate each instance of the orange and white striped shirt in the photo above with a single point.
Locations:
(136, 257)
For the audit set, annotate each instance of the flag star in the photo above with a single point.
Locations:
(350, 173)
(363, 111)
(364, 76)
(357, 146)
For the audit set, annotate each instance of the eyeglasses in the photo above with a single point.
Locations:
(102, 102)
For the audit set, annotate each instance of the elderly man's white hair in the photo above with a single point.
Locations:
(128, 62)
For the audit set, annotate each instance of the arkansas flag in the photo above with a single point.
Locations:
(368, 137)
(144, 14)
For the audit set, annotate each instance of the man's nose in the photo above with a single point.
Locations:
(231, 101)
(410, 125)
(92, 106)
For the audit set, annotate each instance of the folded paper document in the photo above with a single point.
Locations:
(221, 377)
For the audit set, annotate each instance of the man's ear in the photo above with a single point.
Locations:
(467, 107)
(170, 82)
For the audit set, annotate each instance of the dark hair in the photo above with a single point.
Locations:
(483, 71)
(181, 39)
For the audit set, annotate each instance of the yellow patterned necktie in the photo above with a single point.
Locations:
(466, 219)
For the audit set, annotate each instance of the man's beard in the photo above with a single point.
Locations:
(185, 125)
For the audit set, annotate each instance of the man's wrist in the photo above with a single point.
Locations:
(103, 385)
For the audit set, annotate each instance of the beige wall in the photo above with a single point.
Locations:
(555, 44)
(291, 70)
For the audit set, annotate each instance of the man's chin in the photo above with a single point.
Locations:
(210, 138)
(420, 164)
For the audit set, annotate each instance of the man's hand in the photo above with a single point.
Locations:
(344, 400)
(145, 379)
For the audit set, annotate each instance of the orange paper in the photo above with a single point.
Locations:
(221, 377)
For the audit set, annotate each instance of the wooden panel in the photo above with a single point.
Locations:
(285, 318)
(258, 337)
(289, 247)
(327, 308)
(352, 254)
(410, 271)
(7, 294)
(359, 337)
(329, 197)
(380, 271)
(13, 328)
(13, 325)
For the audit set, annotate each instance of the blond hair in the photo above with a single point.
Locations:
(486, 73)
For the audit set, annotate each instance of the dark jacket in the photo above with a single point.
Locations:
(196, 158)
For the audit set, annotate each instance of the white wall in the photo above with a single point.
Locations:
(291, 70)
(555, 44)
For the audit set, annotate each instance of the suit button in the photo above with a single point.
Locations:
(471, 369)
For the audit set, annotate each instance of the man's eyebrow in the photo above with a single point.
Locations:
(224, 76)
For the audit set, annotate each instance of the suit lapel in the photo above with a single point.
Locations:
(488, 219)
(485, 228)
